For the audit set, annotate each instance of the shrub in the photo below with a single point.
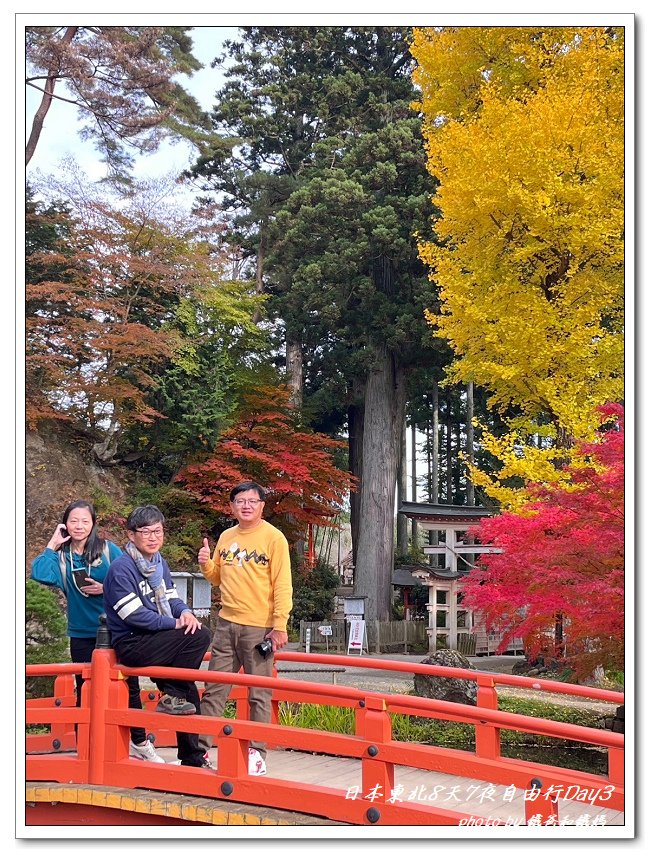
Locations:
(451, 734)
(313, 593)
(45, 640)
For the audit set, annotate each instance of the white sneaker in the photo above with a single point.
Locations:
(256, 763)
(145, 751)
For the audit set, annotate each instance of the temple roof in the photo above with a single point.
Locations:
(444, 513)
(405, 576)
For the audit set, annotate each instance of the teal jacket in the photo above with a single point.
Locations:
(53, 569)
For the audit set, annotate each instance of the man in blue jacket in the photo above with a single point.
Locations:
(151, 626)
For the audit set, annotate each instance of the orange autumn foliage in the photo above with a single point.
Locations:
(265, 444)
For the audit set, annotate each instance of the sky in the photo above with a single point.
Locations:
(57, 142)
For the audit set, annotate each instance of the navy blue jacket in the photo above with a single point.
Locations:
(129, 601)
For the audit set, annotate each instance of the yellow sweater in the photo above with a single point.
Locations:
(253, 569)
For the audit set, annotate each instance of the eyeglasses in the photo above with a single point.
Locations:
(241, 502)
(150, 533)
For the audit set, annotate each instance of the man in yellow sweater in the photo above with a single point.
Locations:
(251, 566)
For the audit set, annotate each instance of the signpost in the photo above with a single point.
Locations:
(354, 609)
(325, 631)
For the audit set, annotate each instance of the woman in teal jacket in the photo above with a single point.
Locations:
(76, 561)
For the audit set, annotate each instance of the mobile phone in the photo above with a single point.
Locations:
(79, 575)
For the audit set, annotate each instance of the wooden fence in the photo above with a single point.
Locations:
(400, 636)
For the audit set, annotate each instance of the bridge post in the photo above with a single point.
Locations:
(106, 690)
(64, 693)
(488, 737)
(541, 810)
(377, 776)
(233, 753)
(616, 766)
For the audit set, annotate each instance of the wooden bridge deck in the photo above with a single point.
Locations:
(452, 792)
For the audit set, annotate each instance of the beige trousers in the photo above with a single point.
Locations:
(233, 647)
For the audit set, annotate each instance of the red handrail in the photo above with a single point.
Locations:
(456, 673)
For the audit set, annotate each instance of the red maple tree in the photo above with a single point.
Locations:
(562, 556)
(265, 444)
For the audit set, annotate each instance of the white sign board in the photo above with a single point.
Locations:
(357, 632)
(353, 605)
(201, 594)
(325, 630)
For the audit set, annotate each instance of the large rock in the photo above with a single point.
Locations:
(440, 688)
(617, 723)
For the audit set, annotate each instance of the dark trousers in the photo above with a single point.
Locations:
(171, 648)
(81, 650)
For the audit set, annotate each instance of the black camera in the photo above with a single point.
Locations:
(265, 648)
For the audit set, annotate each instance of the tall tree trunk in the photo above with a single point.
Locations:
(384, 416)
(469, 442)
(402, 522)
(46, 101)
(427, 433)
(435, 458)
(435, 445)
(259, 271)
(414, 482)
(105, 450)
(457, 449)
(355, 463)
(449, 425)
(295, 382)
(295, 371)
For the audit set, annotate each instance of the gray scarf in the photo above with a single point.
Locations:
(152, 571)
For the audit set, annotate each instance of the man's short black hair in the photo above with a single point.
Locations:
(146, 515)
(245, 487)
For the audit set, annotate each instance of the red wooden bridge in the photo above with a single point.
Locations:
(314, 777)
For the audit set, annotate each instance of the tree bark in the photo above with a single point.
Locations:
(259, 271)
(295, 371)
(106, 449)
(46, 101)
(414, 482)
(435, 444)
(469, 442)
(355, 463)
(295, 382)
(402, 522)
(384, 416)
(435, 459)
(449, 472)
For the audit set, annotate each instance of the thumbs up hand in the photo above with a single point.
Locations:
(204, 552)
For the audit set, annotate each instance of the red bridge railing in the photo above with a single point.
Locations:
(98, 752)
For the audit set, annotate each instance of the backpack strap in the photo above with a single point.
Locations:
(63, 569)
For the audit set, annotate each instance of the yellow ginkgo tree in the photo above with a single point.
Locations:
(524, 131)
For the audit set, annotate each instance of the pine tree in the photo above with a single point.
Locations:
(121, 80)
(324, 129)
